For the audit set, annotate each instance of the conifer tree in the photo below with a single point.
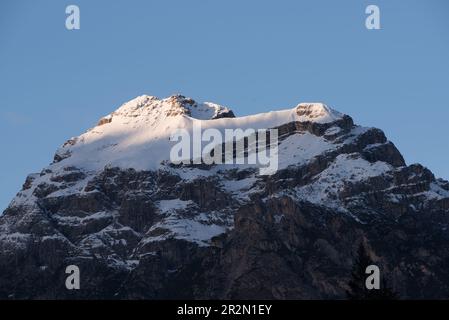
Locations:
(358, 289)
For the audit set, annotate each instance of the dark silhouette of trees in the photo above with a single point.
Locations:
(358, 290)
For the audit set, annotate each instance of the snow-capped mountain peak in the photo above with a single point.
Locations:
(151, 106)
(317, 112)
(137, 134)
(111, 201)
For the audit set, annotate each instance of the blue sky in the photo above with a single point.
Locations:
(253, 56)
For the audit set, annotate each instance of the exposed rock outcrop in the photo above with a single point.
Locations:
(140, 228)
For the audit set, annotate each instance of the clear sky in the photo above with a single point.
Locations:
(252, 56)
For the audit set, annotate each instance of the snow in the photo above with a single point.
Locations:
(346, 168)
(199, 228)
(138, 135)
(186, 229)
(206, 110)
(17, 239)
(300, 148)
(373, 146)
(174, 204)
(332, 131)
(317, 112)
(435, 192)
(240, 189)
(69, 220)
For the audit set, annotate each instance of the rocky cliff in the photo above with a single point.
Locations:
(140, 227)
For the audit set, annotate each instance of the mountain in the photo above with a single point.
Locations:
(139, 226)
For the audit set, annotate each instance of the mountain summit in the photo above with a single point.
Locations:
(138, 226)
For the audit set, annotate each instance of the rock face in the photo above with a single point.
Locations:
(139, 227)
